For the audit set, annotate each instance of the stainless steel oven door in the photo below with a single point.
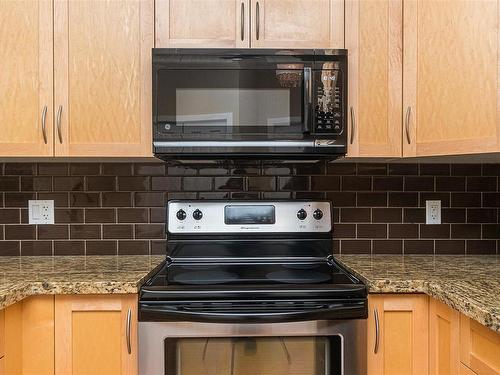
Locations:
(336, 347)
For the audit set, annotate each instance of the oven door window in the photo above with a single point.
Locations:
(254, 355)
(228, 103)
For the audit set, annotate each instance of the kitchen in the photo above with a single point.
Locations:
(99, 274)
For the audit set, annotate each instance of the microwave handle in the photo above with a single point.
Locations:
(307, 98)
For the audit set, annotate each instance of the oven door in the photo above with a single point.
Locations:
(312, 348)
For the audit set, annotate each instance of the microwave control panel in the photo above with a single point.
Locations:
(328, 106)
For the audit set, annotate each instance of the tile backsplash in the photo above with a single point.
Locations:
(118, 208)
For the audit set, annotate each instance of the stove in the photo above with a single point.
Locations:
(257, 269)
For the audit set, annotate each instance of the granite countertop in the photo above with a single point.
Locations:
(469, 284)
(21, 277)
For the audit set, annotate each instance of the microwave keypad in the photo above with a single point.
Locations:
(328, 106)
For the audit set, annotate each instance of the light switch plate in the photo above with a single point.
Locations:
(433, 212)
(41, 212)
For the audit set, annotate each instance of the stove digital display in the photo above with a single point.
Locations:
(246, 214)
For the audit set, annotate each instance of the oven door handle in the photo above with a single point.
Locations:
(250, 144)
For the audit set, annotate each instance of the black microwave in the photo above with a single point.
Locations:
(257, 103)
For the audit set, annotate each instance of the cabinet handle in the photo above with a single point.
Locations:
(377, 331)
(44, 130)
(257, 20)
(59, 133)
(353, 125)
(127, 331)
(242, 21)
(407, 124)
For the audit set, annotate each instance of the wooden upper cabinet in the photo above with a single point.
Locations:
(202, 23)
(374, 38)
(297, 24)
(93, 334)
(26, 78)
(451, 77)
(402, 335)
(102, 83)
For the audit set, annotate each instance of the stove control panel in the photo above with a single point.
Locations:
(248, 216)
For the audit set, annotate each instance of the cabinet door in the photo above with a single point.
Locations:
(444, 328)
(374, 39)
(26, 83)
(297, 24)
(479, 347)
(451, 77)
(202, 23)
(464, 370)
(402, 335)
(2, 333)
(93, 334)
(103, 77)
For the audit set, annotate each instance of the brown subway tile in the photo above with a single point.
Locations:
(69, 248)
(18, 199)
(20, 232)
(24, 216)
(53, 232)
(294, 183)
(336, 246)
(336, 215)
(68, 215)
(491, 231)
(84, 199)
(434, 169)
(228, 183)
(450, 247)
(489, 200)
(427, 196)
(489, 169)
(149, 199)
(150, 169)
(29, 183)
(277, 169)
(246, 169)
(36, 248)
(403, 169)
(9, 183)
(309, 169)
(197, 183)
(355, 246)
(355, 215)
(166, 183)
(132, 215)
(261, 183)
(397, 199)
(101, 183)
(453, 215)
(149, 231)
(19, 169)
(465, 200)
(387, 246)
(356, 183)
(181, 170)
(344, 231)
(158, 247)
(418, 246)
(120, 231)
(325, 183)
(477, 247)
(466, 169)
(450, 183)
(435, 231)
(403, 231)
(217, 169)
(414, 215)
(68, 183)
(60, 199)
(482, 215)
(157, 215)
(341, 169)
(249, 195)
(84, 169)
(481, 184)
(387, 215)
(53, 169)
(9, 216)
(276, 195)
(372, 200)
(116, 199)
(84, 232)
(342, 199)
(372, 230)
(10, 248)
(141, 183)
(182, 195)
(214, 195)
(117, 169)
(472, 231)
(387, 183)
(101, 248)
(100, 215)
(372, 169)
(133, 247)
(418, 183)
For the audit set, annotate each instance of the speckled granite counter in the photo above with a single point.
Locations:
(21, 277)
(469, 284)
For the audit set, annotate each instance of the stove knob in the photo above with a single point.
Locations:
(197, 215)
(181, 214)
(302, 214)
(318, 214)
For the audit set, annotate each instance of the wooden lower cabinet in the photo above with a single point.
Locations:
(402, 322)
(464, 370)
(444, 335)
(91, 334)
(2, 333)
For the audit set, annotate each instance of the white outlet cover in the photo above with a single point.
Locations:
(433, 212)
(41, 212)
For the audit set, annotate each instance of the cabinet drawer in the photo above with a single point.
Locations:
(2, 334)
(479, 347)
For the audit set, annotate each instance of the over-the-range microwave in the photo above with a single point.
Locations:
(260, 103)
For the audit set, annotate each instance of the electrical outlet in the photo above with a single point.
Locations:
(433, 212)
(41, 212)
